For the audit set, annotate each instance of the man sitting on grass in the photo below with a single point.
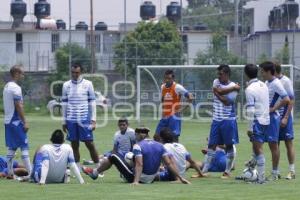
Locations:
(51, 160)
(148, 155)
(178, 154)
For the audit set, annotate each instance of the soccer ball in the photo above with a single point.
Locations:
(129, 158)
(250, 174)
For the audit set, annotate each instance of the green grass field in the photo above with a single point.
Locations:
(112, 187)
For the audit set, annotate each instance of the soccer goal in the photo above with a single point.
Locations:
(197, 79)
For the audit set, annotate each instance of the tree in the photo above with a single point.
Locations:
(149, 44)
(283, 55)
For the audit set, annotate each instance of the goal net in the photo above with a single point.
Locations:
(198, 80)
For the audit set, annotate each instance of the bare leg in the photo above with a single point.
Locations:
(75, 147)
(275, 155)
(93, 152)
(290, 151)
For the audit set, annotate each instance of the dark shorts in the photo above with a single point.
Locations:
(79, 131)
(15, 136)
(223, 132)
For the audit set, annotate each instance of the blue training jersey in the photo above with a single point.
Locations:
(152, 153)
(218, 164)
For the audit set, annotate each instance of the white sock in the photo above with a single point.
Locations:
(208, 158)
(260, 160)
(10, 156)
(230, 156)
(26, 160)
(292, 167)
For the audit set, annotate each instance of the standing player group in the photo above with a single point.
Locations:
(269, 112)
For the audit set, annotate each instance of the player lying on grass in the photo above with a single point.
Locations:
(51, 160)
(218, 163)
(148, 156)
(18, 169)
(178, 155)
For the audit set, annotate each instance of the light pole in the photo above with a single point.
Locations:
(70, 37)
(125, 45)
(236, 19)
(92, 40)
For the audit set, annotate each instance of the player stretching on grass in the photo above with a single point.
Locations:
(51, 160)
(148, 155)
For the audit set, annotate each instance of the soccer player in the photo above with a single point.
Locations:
(224, 126)
(278, 98)
(18, 169)
(124, 139)
(79, 113)
(51, 160)
(286, 131)
(179, 155)
(171, 94)
(257, 110)
(218, 163)
(16, 126)
(148, 155)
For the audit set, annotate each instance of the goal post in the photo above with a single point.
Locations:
(197, 79)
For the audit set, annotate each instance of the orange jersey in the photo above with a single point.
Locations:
(170, 100)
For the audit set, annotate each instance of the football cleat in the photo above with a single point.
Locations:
(89, 171)
(291, 175)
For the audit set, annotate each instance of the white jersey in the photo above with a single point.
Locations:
(180, 154)
(124, 142)
(257, 98)
(221, 111)
(59, 156)
(276, 91)
(79, 101)
(288, 86)
(12, 92)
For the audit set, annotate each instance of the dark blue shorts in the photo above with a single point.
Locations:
(259, 132)
(287, 132)
(223, 132)
(272, 132)
(173, 122)
(218, 163)
(15, 136)
(79, 131)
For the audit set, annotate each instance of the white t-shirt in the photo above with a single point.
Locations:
(257, 98)
(12, 92)
(59, 157)
(180, 154)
